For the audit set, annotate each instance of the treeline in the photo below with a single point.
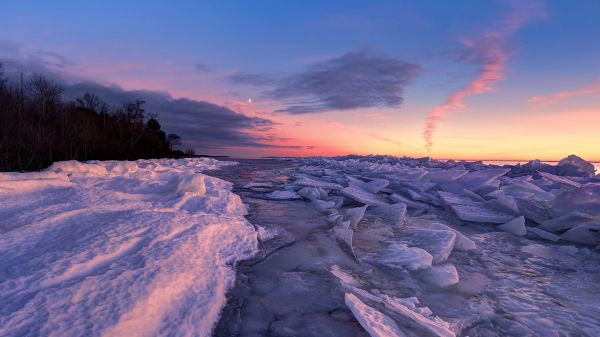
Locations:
(37, 127)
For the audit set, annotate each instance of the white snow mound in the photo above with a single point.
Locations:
(140, 248)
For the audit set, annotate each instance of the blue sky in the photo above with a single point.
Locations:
(192, 49)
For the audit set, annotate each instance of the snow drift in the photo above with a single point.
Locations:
(140, 248)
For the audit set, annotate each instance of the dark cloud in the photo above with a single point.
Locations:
(361, 79)
(202, 125)
(203, 67)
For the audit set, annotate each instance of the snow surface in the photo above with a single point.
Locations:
(141, 248)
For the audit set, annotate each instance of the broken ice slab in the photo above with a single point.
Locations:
(515, 226)
(410, 203)
(575, 166)
(566, 221)
(540, 233)
(313, 193)
(354, 215)
(586, 233)
(322, 205)
(450, 199)
(390, 214)
(462, 243)
(363, 196)
(306, 181)
(259, 184)
(343, 234)
(476, 181)
(441, 276)
(438, 243)
(444, 176)
(503, 203)
(585, 199)
(478, 212)
(373, 186)
(400, 256)
(282, 195)
(422, 325)
(521, 189)
(373, 321)
(563, 181)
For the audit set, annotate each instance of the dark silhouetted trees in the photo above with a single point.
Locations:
(37, 127)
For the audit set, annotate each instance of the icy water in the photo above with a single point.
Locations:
(509, 285)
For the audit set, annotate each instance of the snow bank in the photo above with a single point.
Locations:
(140, 248)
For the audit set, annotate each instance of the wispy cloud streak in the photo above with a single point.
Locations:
(547, 100)
(489, 52)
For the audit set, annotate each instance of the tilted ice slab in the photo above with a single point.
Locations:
(392, 215)
(400, 256)
(373, 186)
(362, 196)
(441, 276)
(476, 181)
(374, 322)
(306, 181)
(438, 243)
(140, 248)
(282, 195)
(480, 213)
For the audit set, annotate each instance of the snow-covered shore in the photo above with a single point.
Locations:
(138, 248)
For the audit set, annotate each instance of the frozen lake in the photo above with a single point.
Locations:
(304, 282)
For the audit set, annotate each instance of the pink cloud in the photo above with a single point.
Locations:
(543, 101)
(490, 52)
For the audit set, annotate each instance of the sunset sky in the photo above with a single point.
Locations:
(449, 79)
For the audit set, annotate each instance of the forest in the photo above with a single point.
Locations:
(38, 127)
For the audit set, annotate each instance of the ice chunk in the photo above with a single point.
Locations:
(374, 322)
(585, 199)
(373, 186)
(504, 203)
(391, 214)
(575, 166)
(354, 215)
(515, 226)
(462, 243)
(538, 232)
(480, 213)
(566, 221)
(454, 199)
(410, 203)
(400, 256)
(305, 181)
(313, 193)
(560, 180)
(419, 322)
(586, 233)
(282, 195)
(259, 184)
(477, 181)
(322, 205)
(438, 243)
(343, 234)
(441, 276)
(362, 196)
(444, 176)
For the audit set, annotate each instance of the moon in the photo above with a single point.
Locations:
(249, 100)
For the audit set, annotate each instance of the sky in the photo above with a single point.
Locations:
(490, 80)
